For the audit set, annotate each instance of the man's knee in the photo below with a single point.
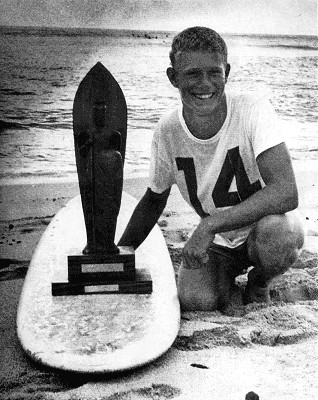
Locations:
(197, 301)
(276, 240)
(194, 294)
(209, 287)
(285, 230)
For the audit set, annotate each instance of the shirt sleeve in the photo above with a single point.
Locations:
(266, 129)
(161, 170)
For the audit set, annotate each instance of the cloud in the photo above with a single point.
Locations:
(280, 16)
(247, 16)
(86, 13)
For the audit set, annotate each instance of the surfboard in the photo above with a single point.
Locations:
(96, 332)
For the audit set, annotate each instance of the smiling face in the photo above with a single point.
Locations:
(200, 77)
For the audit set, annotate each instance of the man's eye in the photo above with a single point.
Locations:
(215, 72)
(193, 73)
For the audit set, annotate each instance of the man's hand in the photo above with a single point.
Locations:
(195, 251)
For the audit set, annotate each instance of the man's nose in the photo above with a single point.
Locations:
(205, 79)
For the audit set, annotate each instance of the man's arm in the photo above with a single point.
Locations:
(144, 218)
(279, 196)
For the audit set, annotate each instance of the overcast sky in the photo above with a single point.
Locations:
(232, 16)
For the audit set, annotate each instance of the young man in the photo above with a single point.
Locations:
(230, 163)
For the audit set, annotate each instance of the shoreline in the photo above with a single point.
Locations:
(129, 173)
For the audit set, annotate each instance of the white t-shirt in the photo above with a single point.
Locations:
(221, 171)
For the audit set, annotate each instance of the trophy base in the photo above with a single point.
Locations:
(142, 284)
(102, 267)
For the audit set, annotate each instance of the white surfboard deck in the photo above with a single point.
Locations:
(97, 333)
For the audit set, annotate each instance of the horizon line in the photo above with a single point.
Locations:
(149, 29)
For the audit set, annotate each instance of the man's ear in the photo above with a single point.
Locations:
(172, 76)
(227, 71)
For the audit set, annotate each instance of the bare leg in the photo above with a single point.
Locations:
(273, 246)
(207, 288)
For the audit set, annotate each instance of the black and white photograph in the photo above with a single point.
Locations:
(158, 200)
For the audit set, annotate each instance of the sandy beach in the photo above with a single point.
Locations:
(269, 349)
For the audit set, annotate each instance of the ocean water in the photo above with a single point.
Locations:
(41, 69)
